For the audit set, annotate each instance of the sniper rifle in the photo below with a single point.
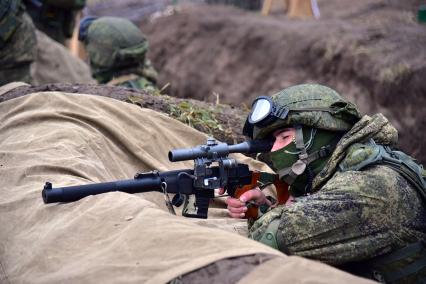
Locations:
(194, 188)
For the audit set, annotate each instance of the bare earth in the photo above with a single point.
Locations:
(371, 51)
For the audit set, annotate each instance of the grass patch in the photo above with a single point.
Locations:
(395, 73)
(195, 116)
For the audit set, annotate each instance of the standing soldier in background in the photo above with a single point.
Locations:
(17, 42)
(56, 18)
(116, 50)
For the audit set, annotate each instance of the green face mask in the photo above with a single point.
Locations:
(285, 157)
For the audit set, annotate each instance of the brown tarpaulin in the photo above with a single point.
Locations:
(71, 139)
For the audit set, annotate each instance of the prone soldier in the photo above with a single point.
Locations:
(358, 203)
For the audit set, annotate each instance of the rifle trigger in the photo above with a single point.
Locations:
(167, 198)
(178, 199)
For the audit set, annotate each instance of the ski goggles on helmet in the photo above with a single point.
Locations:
(263, 112)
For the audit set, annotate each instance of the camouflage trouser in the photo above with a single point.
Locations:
(18, 53)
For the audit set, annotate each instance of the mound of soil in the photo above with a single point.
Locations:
(223, 122)
(371, 51)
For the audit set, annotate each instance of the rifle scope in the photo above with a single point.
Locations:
(216, 150)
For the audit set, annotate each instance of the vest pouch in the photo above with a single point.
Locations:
(406, 265)
(360, 156)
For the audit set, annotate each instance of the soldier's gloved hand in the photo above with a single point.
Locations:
(238, 207)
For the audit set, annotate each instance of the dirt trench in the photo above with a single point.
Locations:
(371, 52)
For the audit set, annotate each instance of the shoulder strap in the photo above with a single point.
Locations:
(361, 156)
(407, 167)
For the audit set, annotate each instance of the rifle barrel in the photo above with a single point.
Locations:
(73, 193)
(176, 181)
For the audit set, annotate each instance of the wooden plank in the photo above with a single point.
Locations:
(295, 8)
(300, 9)
(266, 8)
(74, 45)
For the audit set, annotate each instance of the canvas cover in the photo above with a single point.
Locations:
(71, 139)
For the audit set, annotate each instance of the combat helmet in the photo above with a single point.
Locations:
(112, 44)
(319, 115)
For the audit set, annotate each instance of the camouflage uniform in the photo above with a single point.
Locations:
(353, 217)
(117, 53)
(145, 80)
(56, 18)
(17, 43)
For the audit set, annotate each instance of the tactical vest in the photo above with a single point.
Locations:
(9, 20)
(408, 264)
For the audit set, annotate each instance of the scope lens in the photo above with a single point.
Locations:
(261, 109)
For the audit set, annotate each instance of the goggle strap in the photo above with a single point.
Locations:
(248, 129)
(324, 151)
(327, 109)
(280, 112)
(290, 176)
(300, 145)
